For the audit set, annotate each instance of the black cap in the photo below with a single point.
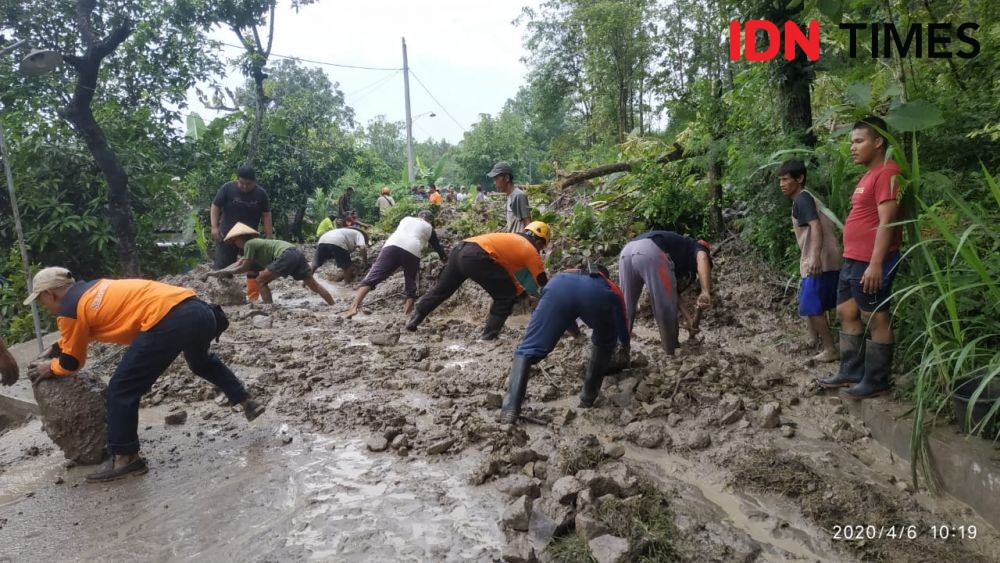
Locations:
(501, 168)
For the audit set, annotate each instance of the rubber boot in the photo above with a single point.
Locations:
(599, 360)
(415, 319)
(517, 386)
(668, 341)
(852, 363)
(878, 363)
(491, 331)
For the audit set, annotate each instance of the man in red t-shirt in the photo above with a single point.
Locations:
(871, 252)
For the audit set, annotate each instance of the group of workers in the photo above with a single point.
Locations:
(160, 321)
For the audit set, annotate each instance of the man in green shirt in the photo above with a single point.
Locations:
(273, 259)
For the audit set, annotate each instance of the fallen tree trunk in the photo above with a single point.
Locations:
(604, 170)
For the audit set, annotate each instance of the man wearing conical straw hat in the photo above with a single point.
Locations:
(273, 259)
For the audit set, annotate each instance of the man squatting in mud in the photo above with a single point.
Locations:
(658, 259)
(157, 322)
(402, 249)
(585, 294)
(273, 259)
(339, 244)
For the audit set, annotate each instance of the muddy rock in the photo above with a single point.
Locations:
(390, 338)
(523, 456)
(440, 446)
(377, 444)
(225, 291)
(588, 526)
(519, 485)
(613, 450)
(739, 545)
(549, 393)
(73, 412)
(263, 321)
(788, 431)
(519, 550)
(549, 519)
(176, 418)
(400, 441)
(699, 440)
(418, 353)
(565, 489)
(610, 479)
(494, 400)
(657, 410)
(769, 415)
(565, 417)
(517, 515)
(609, 549)
(647, 434)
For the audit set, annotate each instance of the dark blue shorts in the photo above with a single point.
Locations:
(818, 294)
(849, 284)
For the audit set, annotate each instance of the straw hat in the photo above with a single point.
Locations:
(241, 230)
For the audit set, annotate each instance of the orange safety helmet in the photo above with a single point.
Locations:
(385, 190)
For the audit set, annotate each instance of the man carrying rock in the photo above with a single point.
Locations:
(819, 262)
(504, 264)
(272, 259)
(339, 244)
(667, 264)
(585, 294)
(402, 249)
(242, 201)
(871, 252)
(518, 210)
(157, 322)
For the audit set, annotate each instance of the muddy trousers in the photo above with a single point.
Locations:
(468, 261)
(390, 259)
(567, 297)
(643, 263)
(189, 329)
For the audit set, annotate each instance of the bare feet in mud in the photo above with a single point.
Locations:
(351, 312)
(826, 356)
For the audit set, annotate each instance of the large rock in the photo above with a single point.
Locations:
(518, 550)
(519, 484)
(517, 516)
(589, 527)
(226, 291)
(769, 415)
(549, 520)
(646, 433)
(565, 489)
(74, 414)
(609, 549)
(610, 479)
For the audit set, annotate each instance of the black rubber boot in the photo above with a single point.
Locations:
(415, 319)
(599, 360)
(852, 363)
(668, 340)
(517, 386)
(494, 323)
(878, 363)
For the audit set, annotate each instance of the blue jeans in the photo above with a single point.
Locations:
(189, 329)
(571, 296)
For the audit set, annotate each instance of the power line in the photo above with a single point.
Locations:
(440, 105)
(315, 62)
(371, 88)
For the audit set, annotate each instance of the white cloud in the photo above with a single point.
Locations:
(467, 53)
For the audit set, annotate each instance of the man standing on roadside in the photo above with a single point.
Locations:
(518, 210)
(384, 202)
(871, 252)
(819, 261)
(9, 371)
(242, 201)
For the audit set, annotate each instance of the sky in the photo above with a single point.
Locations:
(465, 52)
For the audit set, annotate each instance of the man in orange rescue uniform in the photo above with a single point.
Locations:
(158, 322)
(504, 264)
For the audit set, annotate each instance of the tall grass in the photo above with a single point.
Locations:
(948, 308)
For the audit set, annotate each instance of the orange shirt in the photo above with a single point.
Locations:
(114, 311)
(516, 255)
(435, 198)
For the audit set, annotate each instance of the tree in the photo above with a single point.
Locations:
(104, 46)
(491, 140)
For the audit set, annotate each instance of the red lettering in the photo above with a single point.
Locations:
(734, 40)
(794, 37)
(773, 40)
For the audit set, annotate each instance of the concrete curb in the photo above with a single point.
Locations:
(967, 468)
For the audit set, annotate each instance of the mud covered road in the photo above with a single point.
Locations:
(380, 444)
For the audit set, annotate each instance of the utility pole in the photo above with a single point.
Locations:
(410, 165)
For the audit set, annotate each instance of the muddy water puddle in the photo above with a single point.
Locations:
(253, 498)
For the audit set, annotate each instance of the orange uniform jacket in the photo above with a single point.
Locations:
(516, 255)
(114, 311)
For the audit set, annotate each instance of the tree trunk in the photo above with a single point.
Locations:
(80, 115)
(715, 188)
(794, 85)
(296, 227)
(576, 177)
(258, 115)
